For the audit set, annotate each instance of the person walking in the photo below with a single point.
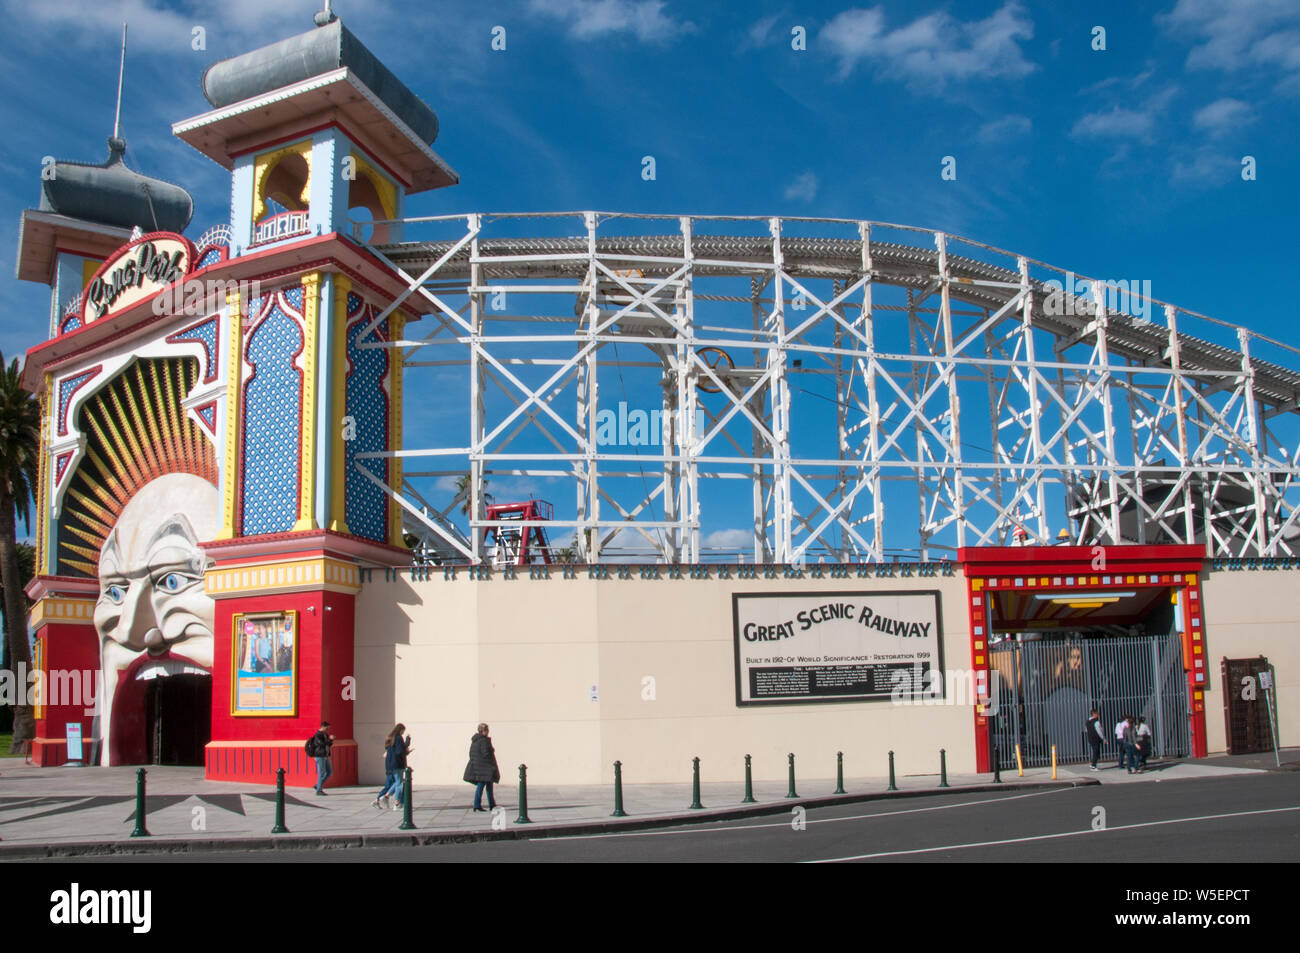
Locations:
(482, 767)
(1096, 735)
(396, 748)
(1130, 743)
(321, 745)
(1119, 738)
(1143, 743)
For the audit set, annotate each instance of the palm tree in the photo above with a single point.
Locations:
(20, 447)
(462, 490)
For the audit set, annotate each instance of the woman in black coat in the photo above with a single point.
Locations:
(482, 768)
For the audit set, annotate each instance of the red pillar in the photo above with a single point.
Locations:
(67, 656)
(316, 592)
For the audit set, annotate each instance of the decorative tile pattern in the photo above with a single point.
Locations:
(61, 466)
(208, 414)
(70, 323)
(67, 388)
(272, 409)
(293, 297)
(205, 332)
(367, 404)
(211, 257)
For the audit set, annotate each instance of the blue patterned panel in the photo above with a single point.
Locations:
(206, 334)
(366, 504)
(354, 303)
(272, 425)
(294, 297)
(67, 387)
(210, 257)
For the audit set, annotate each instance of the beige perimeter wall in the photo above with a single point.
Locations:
(1249, 613)
(442, 655)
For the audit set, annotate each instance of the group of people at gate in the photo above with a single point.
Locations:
(1132, 737)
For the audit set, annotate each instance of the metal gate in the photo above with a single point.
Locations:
(1046, 690)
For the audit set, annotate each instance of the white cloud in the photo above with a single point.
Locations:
(1223, 116)
(232, 26)
(1117, 121)
(932, 50)
(1206, 168)
(803, 187)
(735, 540)
(759, 34)
(593, 18)
(1005, 128)
(1124, 123)
(1233, 35)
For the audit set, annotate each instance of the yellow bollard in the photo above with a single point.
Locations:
(1020, 764)
(1053, 762)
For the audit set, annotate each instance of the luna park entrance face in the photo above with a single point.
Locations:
(1047, 687)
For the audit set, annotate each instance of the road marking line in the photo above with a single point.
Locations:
(703, 829)
(1022, 840)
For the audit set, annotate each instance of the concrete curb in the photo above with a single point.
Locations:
(292, 842)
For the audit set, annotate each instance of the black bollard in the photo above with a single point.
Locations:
(618, 790)
(523, 796)
(792, 792)
(695, 788)
(749, 784)
(943, 768)
(839, 772)
(892, 786)
(407, 823)
(140, 829)
(279, 827)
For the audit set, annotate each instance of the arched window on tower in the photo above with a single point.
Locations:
(282, 194)
(371, 198)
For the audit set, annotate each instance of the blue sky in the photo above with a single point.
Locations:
(1122, 162)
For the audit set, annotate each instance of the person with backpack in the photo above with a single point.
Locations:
(1096, 735)
(318, 746)
(396, 748)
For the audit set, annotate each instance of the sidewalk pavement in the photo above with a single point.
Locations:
(46, 812)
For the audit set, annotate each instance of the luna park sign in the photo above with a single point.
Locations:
(136, 271)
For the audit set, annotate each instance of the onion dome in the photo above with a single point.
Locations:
(113, 194)
(323, 50)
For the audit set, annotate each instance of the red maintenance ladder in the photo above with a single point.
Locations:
(519, 545)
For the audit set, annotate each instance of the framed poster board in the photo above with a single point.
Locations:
(801, 648)
(264, 664)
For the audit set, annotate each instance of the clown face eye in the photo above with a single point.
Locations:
(115, 594)
(174, 582)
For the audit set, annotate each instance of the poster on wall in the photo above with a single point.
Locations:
(794, 648)
(265, 663)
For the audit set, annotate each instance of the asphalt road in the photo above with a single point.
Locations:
(1244, 818)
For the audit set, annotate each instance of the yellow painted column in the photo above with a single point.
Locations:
(339, 387)
(310, 388)
(43, 480)
(234, 397)
(397, 322)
